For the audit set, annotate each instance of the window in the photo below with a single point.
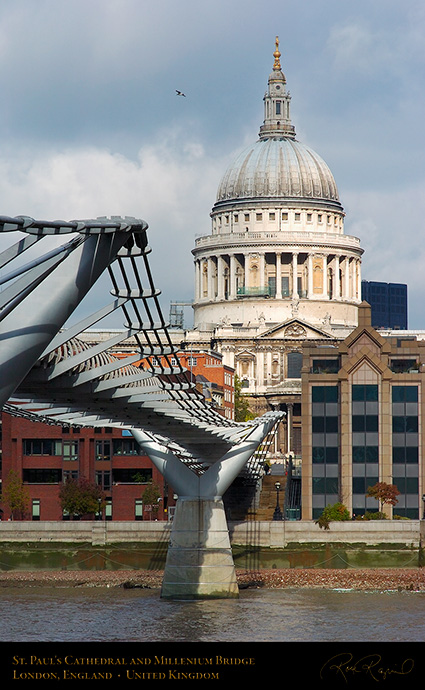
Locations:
(325, 446)
(108, 509)
(278, 107)
(42, 476)
(365, 444)
(272, 216)
(246, 216)
(36, 509)
(298, 216)
(284, 215)
(103, 450)
(103, 479)
(401, 366)
(295, 360)
(70, 450)
(138, 509)
(140, 475)
(405, 442)
(42, 446)
(325, 366)
(285, 286)
(126, 446)
(69, 475)
(258, 216)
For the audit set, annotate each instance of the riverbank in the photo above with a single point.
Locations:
(370, 579)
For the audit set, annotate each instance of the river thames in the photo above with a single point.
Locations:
(117, 634)
(258, 615)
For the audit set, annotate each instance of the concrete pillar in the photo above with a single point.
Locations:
(199, 561)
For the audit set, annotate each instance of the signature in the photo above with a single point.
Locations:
(344, 666)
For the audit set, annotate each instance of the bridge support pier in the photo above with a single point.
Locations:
(199, 561)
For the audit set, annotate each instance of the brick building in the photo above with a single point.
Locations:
(215, 380)
(46, 455)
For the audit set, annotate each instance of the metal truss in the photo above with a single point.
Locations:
(50, 373)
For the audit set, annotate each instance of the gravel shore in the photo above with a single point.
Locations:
(371, 579)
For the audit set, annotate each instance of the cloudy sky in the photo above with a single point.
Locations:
(90, 123)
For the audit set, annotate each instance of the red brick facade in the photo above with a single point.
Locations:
(44, 455)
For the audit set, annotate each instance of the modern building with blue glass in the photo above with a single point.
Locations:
(388, 302)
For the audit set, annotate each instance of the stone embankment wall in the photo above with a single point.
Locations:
(409, 533)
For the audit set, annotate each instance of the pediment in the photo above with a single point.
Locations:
(294, 329)
(246, 354)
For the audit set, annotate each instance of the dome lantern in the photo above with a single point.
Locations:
(277, 120)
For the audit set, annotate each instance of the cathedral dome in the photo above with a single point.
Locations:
(278, 168)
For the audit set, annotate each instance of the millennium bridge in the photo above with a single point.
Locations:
(49, 373)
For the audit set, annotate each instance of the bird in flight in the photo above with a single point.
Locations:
(180, 93)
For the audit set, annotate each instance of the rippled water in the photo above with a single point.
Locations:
(112, 615)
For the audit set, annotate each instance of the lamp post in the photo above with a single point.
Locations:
(423, 501)
(277, 515)
(99, 500)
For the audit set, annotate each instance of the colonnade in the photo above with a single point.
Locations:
(294, 274)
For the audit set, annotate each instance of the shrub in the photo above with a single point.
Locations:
(375, 515)
(336, 512)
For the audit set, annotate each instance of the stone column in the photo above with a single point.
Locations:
(310, 276)
(211, 294)
(294, 275)
(197, 280)
(347, 278)
(260, 368)
(232, 286)
(358, 280)
(337, 287)
(220, 277)
(262, 270)
(278, 275)
(325, 277)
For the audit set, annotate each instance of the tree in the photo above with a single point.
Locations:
(16, 495)
(385, 493)
(242, 411)
(151, 496)
(81, 497)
